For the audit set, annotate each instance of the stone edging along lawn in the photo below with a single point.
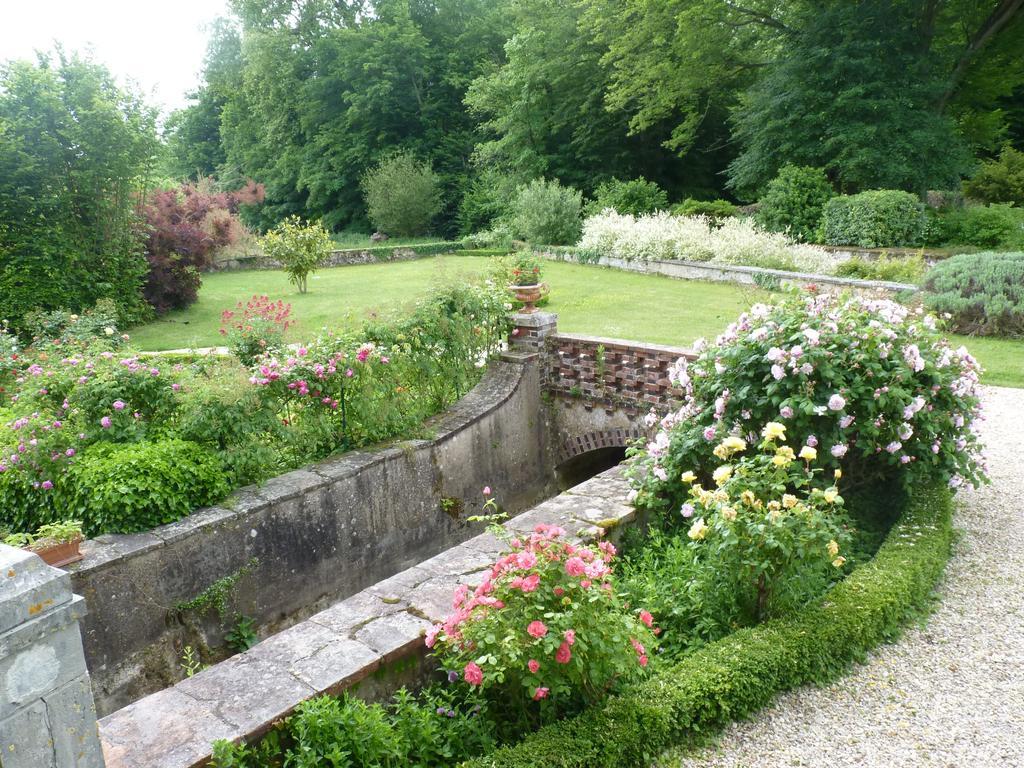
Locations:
(738, 674)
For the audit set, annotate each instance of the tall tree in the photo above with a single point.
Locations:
(74, 152)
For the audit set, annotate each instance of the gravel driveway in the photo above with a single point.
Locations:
(950, 693)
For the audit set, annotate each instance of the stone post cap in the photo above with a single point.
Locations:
(534, 319)
(29, 587)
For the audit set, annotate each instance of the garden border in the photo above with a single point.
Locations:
(345, 257)
(726, 273)
(741, 673)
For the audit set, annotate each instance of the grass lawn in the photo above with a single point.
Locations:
(346, 240)
(591, 300)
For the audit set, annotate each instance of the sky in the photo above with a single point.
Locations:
(159, 44)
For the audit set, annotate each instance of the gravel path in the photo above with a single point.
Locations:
(950, 693)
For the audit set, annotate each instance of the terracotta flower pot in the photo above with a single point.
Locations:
(528, 294)
(62, 553)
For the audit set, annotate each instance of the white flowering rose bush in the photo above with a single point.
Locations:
(864, 386)
(661, 236)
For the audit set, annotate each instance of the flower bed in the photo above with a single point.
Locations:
(742, 672)
(96, 432)
(732, 241)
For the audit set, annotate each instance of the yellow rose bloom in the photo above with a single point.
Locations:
(808, 454)
(688, 477)
(833, 548)
(729, 513)
(720, 496)
(831, 494)
(729, 446)
(775, 515)
(748, 498)
(698, 530)
(721, 452)
(789, 500)
(839, 561)
(774, 431)
(838, 473)
(773, 504)
(722, 474)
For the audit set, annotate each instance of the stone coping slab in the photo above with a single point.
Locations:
(240, 698)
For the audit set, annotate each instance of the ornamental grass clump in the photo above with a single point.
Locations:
(867, 384)
(546, 625)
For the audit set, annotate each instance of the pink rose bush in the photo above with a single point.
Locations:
(879, 393)
(547, 624)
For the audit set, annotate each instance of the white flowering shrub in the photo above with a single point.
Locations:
(862, 386)
(661, 236)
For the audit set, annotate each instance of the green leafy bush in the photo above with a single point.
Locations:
(299, 248)
(436, 728)
(403, 195)
(793, 202)
(546, 213)
(998, 225)
(138, 486)
(879, 218)
(1000, 180)
(486, 201)
(741, 673)
(713, 209)
(896, 269)
(983, 292)
(635, 197)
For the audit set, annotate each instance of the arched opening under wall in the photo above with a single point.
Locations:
(584, 466)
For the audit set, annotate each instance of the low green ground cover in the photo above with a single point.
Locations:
(596, 301)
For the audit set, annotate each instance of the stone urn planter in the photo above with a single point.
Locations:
(58, 553)
(528, 295)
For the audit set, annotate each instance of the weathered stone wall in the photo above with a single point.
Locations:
(342, 258)
(317, 534)
(757, 276)
(47, 719)
(337, 648)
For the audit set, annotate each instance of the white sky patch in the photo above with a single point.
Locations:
(158, 44)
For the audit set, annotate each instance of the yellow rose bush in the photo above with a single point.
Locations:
(767, 537)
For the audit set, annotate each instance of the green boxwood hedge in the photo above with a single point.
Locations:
(741, 673)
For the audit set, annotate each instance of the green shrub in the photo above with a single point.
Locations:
(485, 202)
(1000, 180)
(1000, 225)
(635, 197)
(739, 674)
(299, 248)
(138, 486)
(896, 269)
(984, 292)
(879, 218)
(546, 213)
(432, 729)
(794, 200)
(403, 195)
(98, 323)
(713, 209)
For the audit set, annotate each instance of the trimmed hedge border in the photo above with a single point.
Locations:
(741, 673)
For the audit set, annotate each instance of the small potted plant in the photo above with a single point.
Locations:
(56, 543)
(526, 283)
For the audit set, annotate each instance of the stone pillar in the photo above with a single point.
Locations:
(47, 716)
(530, 330)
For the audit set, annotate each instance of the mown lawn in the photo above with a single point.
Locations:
(592, 300)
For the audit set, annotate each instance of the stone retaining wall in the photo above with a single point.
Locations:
(343, 258)
(756, 276)
(317, 535)
(239, 699)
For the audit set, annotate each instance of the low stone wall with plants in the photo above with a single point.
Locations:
(733, 677)
(277, 552)
(364, 641)
(344, 257)
(769, 279)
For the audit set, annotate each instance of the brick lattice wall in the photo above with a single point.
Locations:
(611, 373)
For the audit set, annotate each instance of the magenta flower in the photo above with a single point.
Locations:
(487, 490)
(540, 693)
(563, 655)
(47, 485)
(119, 405)
(836, 402)
(537, 629)
(472, 674)
(105, 422)
(533, 665)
